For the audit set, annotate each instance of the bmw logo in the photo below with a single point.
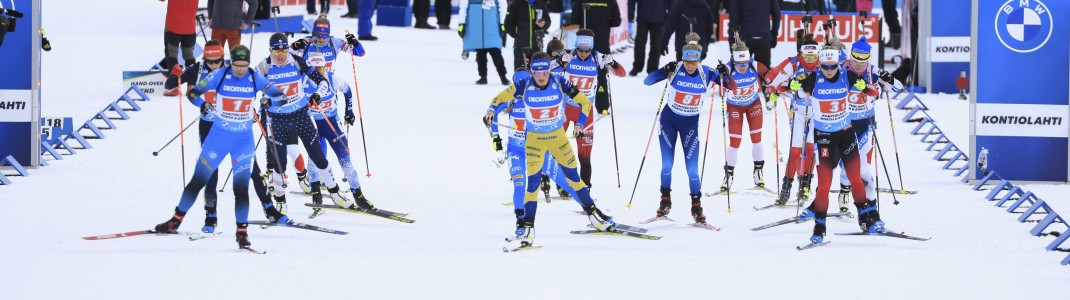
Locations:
(1023, 25)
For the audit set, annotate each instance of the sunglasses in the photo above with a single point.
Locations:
(581, 50)
(278, 51)
(213, 61)
(829, 67)
(239, 66)
(739, 65)
(541, 73)
(322, 35)
(690, 63)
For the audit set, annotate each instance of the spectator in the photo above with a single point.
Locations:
(179, 31)
(522, 23)
(601, 16)
(325, 6)
(680, 14)
(718, 6)
(482, 33)
(803, 5)
(891, 16)
(751, 18)
(443, 11)
(362, 11)
(649, 17)
(420, 11)
(227, 20)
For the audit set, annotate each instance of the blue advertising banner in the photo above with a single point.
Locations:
(949, 44)
(19, 94)
(1021, 102)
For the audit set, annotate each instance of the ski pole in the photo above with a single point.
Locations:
(878, 145)
(157, 152)
(360, 112)
(651, 136)
(724, 130)
(613, 125)
(200, 24)
(274, 16)
(182, 137)
(895, 144)
(706, 146)
(271, 140)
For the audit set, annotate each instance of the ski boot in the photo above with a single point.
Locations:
(525, 232)
(869, 219)
(666, 203)
(563, 193)
(696, 209)
(209, 220)
(759, 179)
(242, 235)
(804, 188)
(545, 187)
(172, 224)
(807, 214)
(819, 228)
(600, 220)
(274, 216)
(785, 192)
(845, 194)
(729, 172)
(302, 180)
(338, 198)
(362, 202)
(280, 202)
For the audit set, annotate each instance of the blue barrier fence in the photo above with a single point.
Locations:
(1017, 197)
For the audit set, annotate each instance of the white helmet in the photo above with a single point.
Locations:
(316, 59)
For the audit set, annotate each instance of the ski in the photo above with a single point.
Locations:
(137, 233)
(887, 191)
(785, 205)
(373, 212)
(625, 228)
(718, 193)
(251, 250)
(811, 245)
(887, 234)
(316, 212)
(520, 249)
(706, 226)
(204, 236)
(648, 221)
(762, 189)
(265, 224)
(618, 233)
(795, 220)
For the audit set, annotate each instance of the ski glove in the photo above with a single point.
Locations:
(176, 70)
(350, 118)
(771, 103)
(352, 40)
(722, 69)
(265, 102)
(488, 118)
(885, 76)
(299, 45)
(497, 143)
(860, 84)
(207, 108)
(314, 99)
(670, 67)
(794, 85)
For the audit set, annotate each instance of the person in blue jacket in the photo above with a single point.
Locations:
(236, 88)
(483, 33)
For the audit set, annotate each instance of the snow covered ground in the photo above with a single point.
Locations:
(431, 157)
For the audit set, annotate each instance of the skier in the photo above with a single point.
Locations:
(544, 97)
(325, 112)
(582, 71)
(744, 102)
(778, 78)
(827, 95)
(680, 118)
(861, 112)
(288, 116)
(524, 211)
(236, 87)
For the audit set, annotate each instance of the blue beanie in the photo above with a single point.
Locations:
(860, 49)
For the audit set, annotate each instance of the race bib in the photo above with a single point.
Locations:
(584, 83)
(686, 103)
(544, 116)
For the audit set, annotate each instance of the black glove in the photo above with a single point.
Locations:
(885, 76)
(721, 68)
(265, 102)
(497, 143)
(352, 40)
(350, 118)
(299, 44)
(207, 108)
(670, 67)
(314, 99)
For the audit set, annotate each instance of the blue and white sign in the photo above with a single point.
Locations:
(20, 95)
(1020, 111)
